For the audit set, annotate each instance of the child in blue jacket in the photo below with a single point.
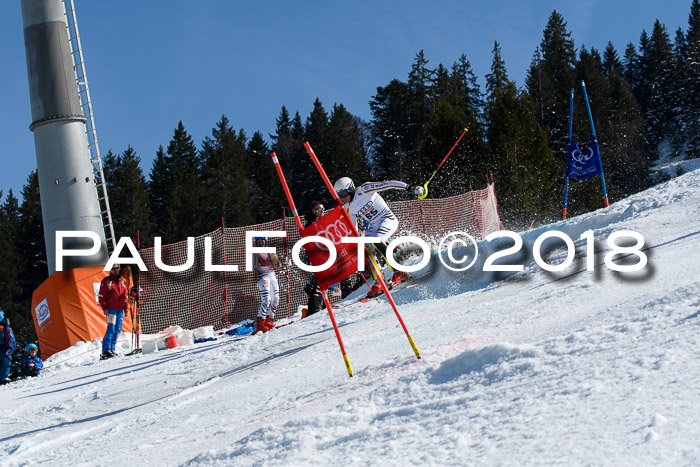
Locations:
(32, 363)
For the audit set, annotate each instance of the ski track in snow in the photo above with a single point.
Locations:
(528, 368)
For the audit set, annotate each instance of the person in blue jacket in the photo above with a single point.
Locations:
(7, 348)
(32, 363)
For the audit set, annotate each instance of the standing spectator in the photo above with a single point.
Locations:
(113, 300)
(32, 363)
(264, 265)
(312, 289)
(317, 211)
(7, 348)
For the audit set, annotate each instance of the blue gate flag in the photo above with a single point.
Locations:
(583, 164)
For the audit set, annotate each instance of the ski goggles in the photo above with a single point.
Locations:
(343, 193)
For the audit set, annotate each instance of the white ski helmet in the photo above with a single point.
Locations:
(344, 186)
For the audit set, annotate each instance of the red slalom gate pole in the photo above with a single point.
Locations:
(283, 180)
(452, 149)
(337, 332)
(425, 185)
(285, 187)
(380, 277)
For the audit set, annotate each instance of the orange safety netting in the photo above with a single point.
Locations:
(197, 297)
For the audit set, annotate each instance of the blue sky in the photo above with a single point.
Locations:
(151, 64)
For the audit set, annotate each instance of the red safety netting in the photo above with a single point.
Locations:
(196, 297)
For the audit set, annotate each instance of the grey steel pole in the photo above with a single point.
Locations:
(68, 195)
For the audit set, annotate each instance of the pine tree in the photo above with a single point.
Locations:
(128, 198)
(282, 142)
(419, 108)
(497, 83)
(631, 66)
(187, 193)
(625, 151)
(459, 169)
(32, 245)
(497, 80)
(658, 79)
(225, 166)
(611, 60)
(175, 190)
(458, 108)
(465, 94)
(678, 92)
(308, 183)
(589, 69)
(345, 140)
(441, 84)
(160, 186)
(296, 164)
(316, 128)
(521, 159)
(10, 259)
(109, 165)
(550, 78)
(691, 85)
(420, 87)
(263, 187)
(390, 130)
(12, 267)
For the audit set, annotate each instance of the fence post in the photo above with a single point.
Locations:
(289, 283)
(223, 253)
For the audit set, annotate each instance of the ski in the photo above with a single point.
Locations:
(355, 302)
(407, 284)
(243, 336)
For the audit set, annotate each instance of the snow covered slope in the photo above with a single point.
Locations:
(576, 367)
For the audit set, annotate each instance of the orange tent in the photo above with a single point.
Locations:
(66, 310)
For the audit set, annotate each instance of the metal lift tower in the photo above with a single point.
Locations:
(67, 180)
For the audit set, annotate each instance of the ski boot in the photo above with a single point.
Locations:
(375, 291)
(399, 277)
(259, 325)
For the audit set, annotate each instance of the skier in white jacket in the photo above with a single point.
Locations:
(365, 202)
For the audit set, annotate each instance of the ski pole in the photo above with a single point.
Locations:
(600, 162)
(443, 161)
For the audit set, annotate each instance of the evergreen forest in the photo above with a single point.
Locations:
(645, 102)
